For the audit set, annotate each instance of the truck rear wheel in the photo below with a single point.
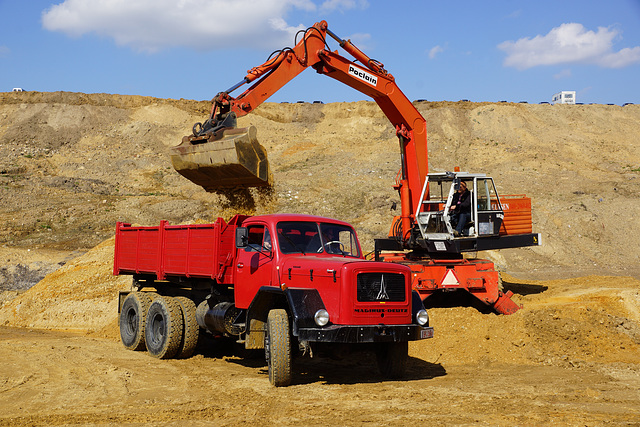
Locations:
(132, 320)
(164, 328)
(392, 359)
(277, 348)
(191, 329)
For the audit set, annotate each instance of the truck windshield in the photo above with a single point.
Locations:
(310, 237)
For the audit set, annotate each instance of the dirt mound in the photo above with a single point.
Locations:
(82, 295)
(568, 322)
(71, 165)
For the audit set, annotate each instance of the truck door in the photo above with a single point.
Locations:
(253, 265)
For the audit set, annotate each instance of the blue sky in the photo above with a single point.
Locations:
(437, 50)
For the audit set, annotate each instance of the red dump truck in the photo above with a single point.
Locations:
(292, 285)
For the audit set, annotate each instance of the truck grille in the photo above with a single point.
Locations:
(381, 287)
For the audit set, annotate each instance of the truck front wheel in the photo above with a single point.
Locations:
(392, 359)
(132, 320)
(277, 348)
(164, 328)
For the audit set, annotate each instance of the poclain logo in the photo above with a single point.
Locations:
(363, 75)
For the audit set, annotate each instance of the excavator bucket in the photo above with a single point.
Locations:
(228, 159)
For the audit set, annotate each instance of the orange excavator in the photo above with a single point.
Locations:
(220, 156)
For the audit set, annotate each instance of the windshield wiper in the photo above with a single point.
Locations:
(280, 233)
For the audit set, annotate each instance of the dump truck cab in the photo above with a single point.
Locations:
(272, 250)
(316, 263)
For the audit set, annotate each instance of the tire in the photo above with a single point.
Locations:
(132, 320)
(163, 332)
(191, 329)
(392, 359)
(277, 348)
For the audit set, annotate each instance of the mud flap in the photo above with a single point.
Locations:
(228, 159)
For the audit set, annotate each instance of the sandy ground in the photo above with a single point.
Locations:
(564, 359)
(73, 164)
(69, 379)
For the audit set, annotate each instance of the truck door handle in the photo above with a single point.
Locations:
(240, 265)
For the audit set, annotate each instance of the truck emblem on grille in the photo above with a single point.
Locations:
(382, 295)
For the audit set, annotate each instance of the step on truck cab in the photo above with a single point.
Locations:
(292, 285)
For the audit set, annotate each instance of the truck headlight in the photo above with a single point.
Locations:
(422, 317)
(321, 317)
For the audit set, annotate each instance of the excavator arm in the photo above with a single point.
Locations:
(219, 156)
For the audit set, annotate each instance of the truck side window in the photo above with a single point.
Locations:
(259, 239)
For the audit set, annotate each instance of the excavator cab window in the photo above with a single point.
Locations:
(489, 214)
(431, 219)
(436, 220)
(438, 193)
(486, 194)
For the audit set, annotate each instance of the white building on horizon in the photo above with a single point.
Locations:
(564, 97)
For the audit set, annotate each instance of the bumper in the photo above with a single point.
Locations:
(365, 334)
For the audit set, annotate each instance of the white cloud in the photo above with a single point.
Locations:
(434, 51)
(622, 58)
(567, 44)
(563, 74)
(342, 5)
(151, 25)
(515, 14)
(4, 51)
(361, 40)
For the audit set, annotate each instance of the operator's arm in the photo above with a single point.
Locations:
(454, 201)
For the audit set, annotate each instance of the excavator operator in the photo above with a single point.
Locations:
(461, 207)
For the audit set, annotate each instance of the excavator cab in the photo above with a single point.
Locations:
(435, 216)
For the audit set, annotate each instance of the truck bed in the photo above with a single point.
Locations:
(192, 251)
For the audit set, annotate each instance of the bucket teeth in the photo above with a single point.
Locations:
(228, 159)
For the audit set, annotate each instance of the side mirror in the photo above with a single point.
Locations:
(242, 237)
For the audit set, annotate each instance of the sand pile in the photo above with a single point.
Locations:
(82, 295)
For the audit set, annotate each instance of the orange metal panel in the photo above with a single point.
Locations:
(517, 214)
